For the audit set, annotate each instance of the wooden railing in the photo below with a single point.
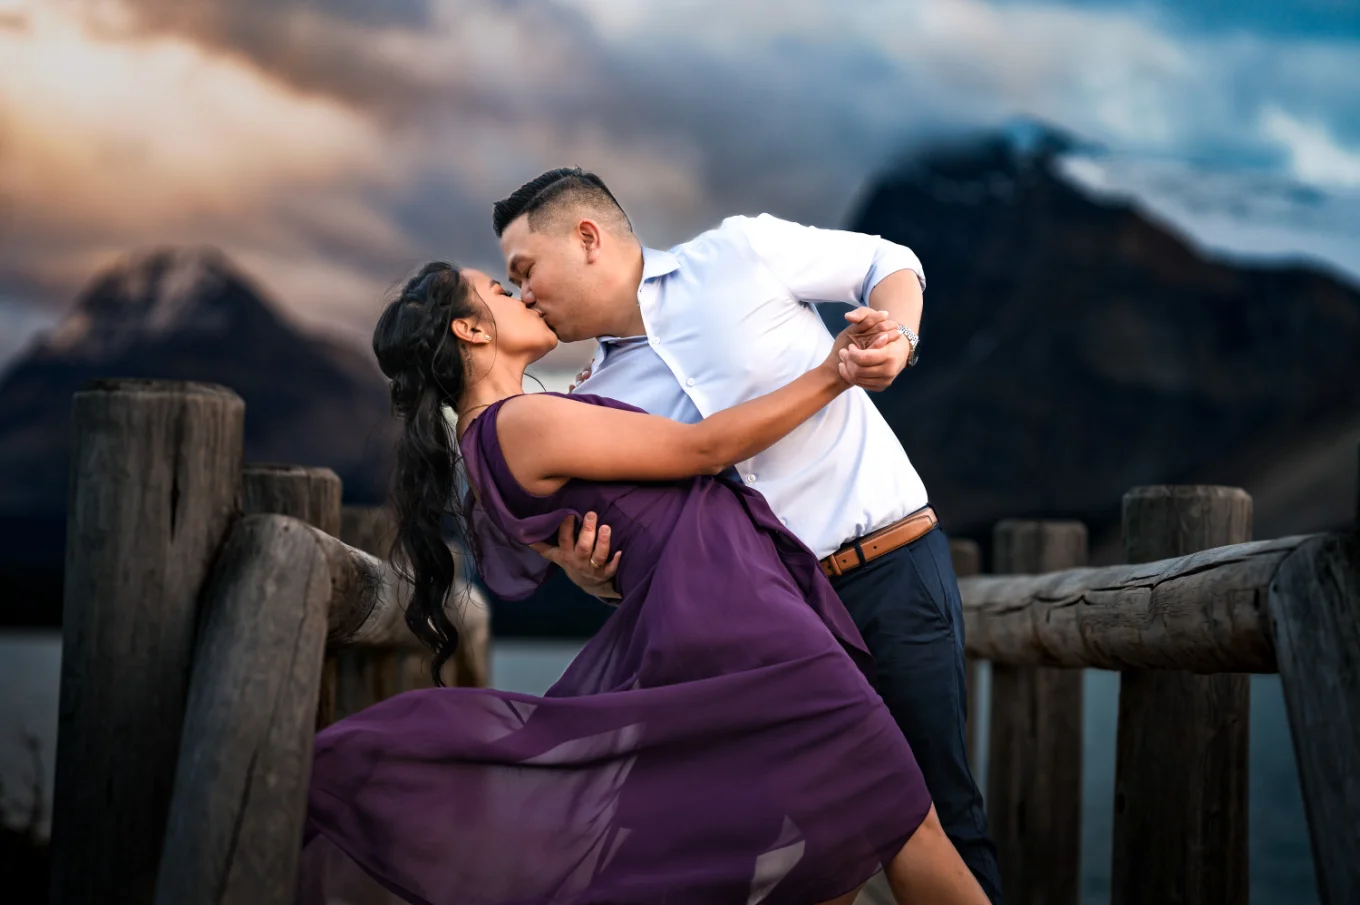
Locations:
(202, 599)
(1198, 608)
(212, 621)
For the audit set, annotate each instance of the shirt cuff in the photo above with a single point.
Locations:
(889, 259)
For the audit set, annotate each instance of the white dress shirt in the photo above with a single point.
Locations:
(728, 319)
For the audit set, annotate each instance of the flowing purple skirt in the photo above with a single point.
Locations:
(718, 741)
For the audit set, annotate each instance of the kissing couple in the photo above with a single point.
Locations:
(775, 710)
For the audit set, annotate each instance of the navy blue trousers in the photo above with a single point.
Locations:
(906, 604)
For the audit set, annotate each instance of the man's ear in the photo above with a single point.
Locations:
(468, 330)
(591, 237)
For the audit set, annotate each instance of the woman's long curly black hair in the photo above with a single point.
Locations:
(416, 349)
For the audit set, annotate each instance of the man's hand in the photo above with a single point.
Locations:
(581, 377)
(879, 352)
(585, 556)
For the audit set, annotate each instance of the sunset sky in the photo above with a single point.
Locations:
(328, 146)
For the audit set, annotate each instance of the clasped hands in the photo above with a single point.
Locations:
(872, 350)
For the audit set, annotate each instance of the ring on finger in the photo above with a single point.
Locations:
(596, 564)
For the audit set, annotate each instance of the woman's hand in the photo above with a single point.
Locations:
(867, 329)
(585, 556)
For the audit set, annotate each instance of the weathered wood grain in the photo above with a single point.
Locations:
(366, 675)
(309, 493)
(1314, 602)
(245, 759)
(1180, 810)
(1035, 753)
(155, 484)
(368, 528)
(1202, 613)
(312, 495)
(369, 597)
(371, 529)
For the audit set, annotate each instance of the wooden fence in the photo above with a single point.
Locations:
(209, 608)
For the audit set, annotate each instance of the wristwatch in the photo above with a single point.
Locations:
(910, 336)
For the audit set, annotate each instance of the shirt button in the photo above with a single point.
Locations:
(690, 382)
(654, 341)
(785, 521)
(750, 479)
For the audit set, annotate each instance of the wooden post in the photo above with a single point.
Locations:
(1035, 745)
(309, 494)
(968, 561)
(240, 797)
(1180, 810)
(366, 675)
(313, 496)
(155, 484)
(1314, 604)
(368, 528)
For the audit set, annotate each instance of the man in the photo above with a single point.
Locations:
(727, 317)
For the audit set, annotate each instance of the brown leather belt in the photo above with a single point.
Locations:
(884, 540)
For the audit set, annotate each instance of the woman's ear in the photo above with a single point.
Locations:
(468, 330)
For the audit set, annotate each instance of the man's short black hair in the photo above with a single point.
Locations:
(555, 190)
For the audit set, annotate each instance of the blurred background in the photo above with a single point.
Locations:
(1139, 219)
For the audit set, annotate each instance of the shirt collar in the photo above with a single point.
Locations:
(657, 263)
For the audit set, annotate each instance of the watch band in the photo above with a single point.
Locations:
(910, 336)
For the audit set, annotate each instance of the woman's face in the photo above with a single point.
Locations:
(517, 329)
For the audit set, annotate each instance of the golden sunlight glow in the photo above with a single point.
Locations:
(110, 143)
(157, 123)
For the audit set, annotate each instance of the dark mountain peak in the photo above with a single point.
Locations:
(973, 167)
(1030, 138)
(1074, 346)
(160, 294)
(189, 314)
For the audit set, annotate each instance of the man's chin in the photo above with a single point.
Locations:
(565, 336)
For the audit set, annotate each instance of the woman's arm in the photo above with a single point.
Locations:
(547, 440)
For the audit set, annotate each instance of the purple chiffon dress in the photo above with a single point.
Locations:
(718, 741)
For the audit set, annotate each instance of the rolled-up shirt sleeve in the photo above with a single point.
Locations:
(826, 265)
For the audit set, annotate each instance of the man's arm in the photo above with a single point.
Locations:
(830, 265)
(899, 294)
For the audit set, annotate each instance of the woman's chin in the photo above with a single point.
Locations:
(548, 346)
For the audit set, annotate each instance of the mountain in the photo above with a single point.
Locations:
(1073, 347)
(186, 314)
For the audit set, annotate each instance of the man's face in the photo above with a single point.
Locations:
(553, 276)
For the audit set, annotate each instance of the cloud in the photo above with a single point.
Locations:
(1234, 213)
(331, 146)
(1314, 154)
(108, 144)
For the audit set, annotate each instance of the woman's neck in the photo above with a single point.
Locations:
(500, 383)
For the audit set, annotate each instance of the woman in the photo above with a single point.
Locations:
(717, 742)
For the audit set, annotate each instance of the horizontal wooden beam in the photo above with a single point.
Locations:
(1200, 613)
(368, 601)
